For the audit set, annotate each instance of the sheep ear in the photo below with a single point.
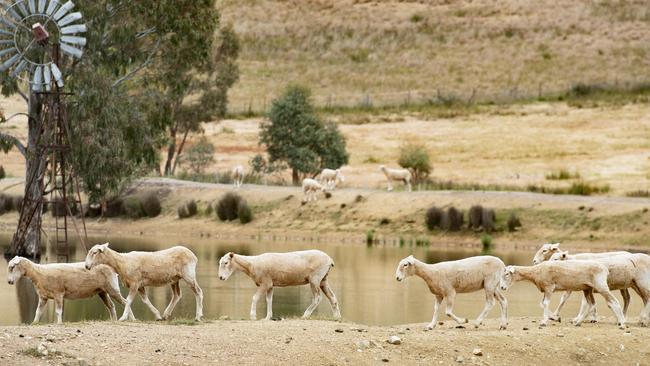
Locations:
(555, 247)
(231, 254)
(564, 255)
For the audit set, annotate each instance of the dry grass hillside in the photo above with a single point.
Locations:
(500, 48)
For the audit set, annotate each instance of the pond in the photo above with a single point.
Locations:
(363, 279)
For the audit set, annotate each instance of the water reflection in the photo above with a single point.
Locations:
(363, 280)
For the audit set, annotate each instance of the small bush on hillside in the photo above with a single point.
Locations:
(452, 219)
(228, 206)
(433, 217)
(208, 209)
(488, 220)
(415, 158)
(58, 209)
(486, 242)
(17, 203)
(475, 216)
(93, 210)
(244, 212)
(114, 207)
(151, 204)
(639, 193)
(2, 204)
(513, 222)
(562, 174)
(132, 207)
(187, 209)
(586, 189)
(2, 172)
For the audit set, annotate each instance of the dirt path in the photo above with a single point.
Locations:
(318, 342)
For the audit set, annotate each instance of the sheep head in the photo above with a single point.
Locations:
(15, 270)
(507, 277)
(226, 266)
(96, 255)
(560, 256)
(405, 268)
(545, 252)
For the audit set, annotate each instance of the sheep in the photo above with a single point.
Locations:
(310, 187)
(58, 281)
(330, 178)
(445, 279)
(403, 175)
(140, 269)
(270, 270)
(238, 175)
(585, 276)
(625, 271)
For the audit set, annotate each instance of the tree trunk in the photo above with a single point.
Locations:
(295, 177)
(180, 150)
(171, 150)
(35, 167)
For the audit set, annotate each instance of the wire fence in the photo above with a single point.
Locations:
(509, 94)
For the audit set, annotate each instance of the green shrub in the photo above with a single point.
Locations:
(433, 217)
(562, 174)
(228, 206)
(415, 158)
(93, 210)
(513, 222)
(151, 204)
(208, 209)
(114, 207)
(244, 212)
(452, 219)
(639, 193)
(370, 237)
(486, 242)
(2, 172)
(187, 209)
(58, 209)
(488, 220)
(586, 189)
(132, 207)
(475, 217)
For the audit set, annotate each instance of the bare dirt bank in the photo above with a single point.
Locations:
(318, 342)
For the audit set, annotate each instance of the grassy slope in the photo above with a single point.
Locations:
(500, 48)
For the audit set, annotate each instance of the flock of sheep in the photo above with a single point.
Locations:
(553, 270)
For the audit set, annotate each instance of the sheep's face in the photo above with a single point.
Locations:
(560, 256)
(225, 266)
(96, 255)
(405, 268)
(545, 252)
(15, 270)
(507, 277)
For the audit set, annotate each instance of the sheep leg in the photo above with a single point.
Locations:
(128, 313)
(117, 296)
(626, 300)
(190, 278)
(109, 305)
(563, 300)
(612, 303)
(145, 300)
(489, 304)
(503, 303)
(407, 182)
(643, 290)
(449, 308)
(390, 186)
(585, 306)
(437, 300)
(176, 297)
(256, 298)
(317, 297)
(269, 303)
(58, 301)
(593, 314)
(325, 287)
(39, 310)
(546, 300)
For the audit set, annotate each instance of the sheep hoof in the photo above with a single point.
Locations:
(466, 321)
(593, 321)
(429, 327)
(477, 324)
(503, 327)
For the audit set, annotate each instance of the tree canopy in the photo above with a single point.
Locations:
(295, 134)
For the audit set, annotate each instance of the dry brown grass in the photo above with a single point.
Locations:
(501, 49)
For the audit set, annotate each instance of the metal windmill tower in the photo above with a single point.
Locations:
(37, 37)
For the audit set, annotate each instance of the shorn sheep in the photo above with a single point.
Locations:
(238, 175)
(330, 178)
(446, 279)
(310, 188)
(402, 175)
(585, 276)
(138, 270)
(58, 281)
(271, 270)
(625, 271)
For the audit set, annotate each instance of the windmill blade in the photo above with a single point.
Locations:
(51, 7)
(69, 19)
(32, 7)
(7, 23)
(8, 51)
(41, 6)
(13, 13)
(10, 62)
(37, 79)
(80, 41)
(2, 31)
(47, 76)
(21, 66)
(23, 9)
(72, 29)
(63, 10)
(6, 41)
(72, 51)
(57, 75)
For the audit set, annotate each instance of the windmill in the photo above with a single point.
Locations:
(37, 38)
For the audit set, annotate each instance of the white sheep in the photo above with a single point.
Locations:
(402, 175)
(310, 188)
(270, 270)
(446, 279)
(625, 271)
(238, 173)
(58, 281)
(586, 276)
(330, 178)
(138, 270)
